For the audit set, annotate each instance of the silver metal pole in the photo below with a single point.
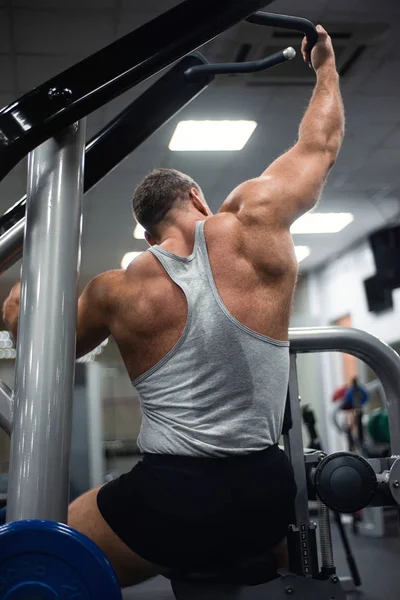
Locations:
(41, 437)
(95, 424)
(6, 408)
(11, 246)
(382, 359)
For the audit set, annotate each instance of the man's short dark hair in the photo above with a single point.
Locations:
(158, 193)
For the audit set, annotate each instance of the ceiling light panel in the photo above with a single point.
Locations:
(211, 136)
(321, 223)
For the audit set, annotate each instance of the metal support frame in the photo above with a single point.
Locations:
(382, 359)
(11, 244)
(105, 75)
(126, 132)
(41, 437)
(293, 444)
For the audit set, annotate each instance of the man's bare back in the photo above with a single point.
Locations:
(148, 311)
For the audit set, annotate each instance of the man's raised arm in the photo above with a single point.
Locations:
(293, 183)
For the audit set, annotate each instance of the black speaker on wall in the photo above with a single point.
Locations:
(379, 296)
(385, 245)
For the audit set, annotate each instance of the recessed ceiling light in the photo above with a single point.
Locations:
(322, 223)
(302, 252)
(128, 258)
(211, 136)
(138, 233)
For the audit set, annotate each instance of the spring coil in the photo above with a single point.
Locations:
(325, 536)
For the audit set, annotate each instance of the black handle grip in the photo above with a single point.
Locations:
(285, 22)
(196, 73)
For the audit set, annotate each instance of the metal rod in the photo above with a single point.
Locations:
(143, 117)
(382, 359)
(95, 425)
(350, 559)
(11, 246)
(41, 437)
(6, 408)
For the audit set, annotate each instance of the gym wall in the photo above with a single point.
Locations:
(340, 291)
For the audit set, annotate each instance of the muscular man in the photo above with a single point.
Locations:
(201, 320)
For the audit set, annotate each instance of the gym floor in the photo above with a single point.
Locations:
(378, 562)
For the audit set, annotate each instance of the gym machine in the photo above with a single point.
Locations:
(40, 557)
(341, 482)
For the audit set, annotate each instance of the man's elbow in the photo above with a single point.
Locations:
(11, 315)
(11, 309)
(332, 148)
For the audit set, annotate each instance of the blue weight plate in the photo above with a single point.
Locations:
(42, 560)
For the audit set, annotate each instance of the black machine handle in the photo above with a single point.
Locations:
(195, 73)
(269, 20)
(285, 22)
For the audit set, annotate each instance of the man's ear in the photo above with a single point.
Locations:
(198, 202)
(151, 241)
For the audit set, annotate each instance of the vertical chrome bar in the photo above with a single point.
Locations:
(95, 425)
(41, 437)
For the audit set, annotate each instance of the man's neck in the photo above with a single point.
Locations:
(179, 238)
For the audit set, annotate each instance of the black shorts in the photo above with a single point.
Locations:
(196, 513)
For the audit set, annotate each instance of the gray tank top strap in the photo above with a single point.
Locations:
(162, 253)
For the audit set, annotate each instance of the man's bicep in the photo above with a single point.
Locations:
(92, 319)
(295, 182)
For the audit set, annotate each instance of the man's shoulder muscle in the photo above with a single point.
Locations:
(100, 288)
(267, 246)
(224, 227)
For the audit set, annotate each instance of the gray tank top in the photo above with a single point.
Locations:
(222, 389)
